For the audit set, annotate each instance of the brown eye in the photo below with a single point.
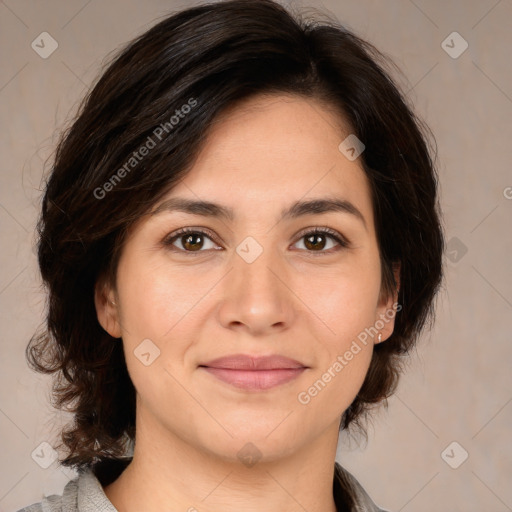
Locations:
(323, 240)
(315, 241)
(190, 240)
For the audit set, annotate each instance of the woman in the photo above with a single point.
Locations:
(241, 238)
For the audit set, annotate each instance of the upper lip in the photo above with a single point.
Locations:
(247, 362)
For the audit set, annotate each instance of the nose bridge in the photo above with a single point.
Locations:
(259, 276)
(254, 293)
(258, 266)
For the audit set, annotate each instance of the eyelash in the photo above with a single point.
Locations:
(343, 242)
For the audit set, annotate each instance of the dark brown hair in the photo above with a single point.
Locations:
(209, 57)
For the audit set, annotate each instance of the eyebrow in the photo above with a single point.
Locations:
(297, 209)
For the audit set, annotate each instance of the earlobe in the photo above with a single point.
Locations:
(107, 310)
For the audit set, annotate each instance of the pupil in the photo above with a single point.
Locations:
(312, 240)
(189, 241)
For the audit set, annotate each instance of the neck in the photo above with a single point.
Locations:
(168, 473)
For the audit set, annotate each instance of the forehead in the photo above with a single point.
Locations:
(271, 150)
(274, 132)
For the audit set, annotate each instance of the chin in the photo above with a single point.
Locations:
(250, 451)
(263, 439)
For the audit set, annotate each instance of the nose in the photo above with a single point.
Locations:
(256, 297)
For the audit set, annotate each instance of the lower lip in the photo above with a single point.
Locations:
(255, 379)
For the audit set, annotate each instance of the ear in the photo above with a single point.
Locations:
(388, 308)
(107, 309)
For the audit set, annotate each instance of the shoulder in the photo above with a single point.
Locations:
(346, 487)
(55, 503)
(82, 494)
(36, 507)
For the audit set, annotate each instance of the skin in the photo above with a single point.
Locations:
(306, 303)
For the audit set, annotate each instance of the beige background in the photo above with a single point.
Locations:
(458, 385)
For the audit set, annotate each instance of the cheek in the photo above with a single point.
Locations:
(345, 301)
(157, 298)
(344, 350)
(334, 387)
(346, 304)
(162, 304)
(156, 306)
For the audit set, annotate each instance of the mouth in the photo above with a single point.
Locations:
(254, 373)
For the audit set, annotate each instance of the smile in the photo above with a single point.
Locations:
(251, 372)
(255, 379)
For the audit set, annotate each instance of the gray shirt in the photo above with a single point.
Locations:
(85, 494)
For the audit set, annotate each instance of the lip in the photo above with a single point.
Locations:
(254, 372)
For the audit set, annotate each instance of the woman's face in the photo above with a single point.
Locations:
(262, 280)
